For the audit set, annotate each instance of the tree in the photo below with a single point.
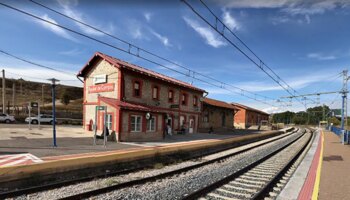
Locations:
(65, 98)
(335, 121)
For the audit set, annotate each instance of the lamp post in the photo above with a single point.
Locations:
(53, 84)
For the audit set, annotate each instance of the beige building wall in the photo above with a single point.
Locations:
(102, 67)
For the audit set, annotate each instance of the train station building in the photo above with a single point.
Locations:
(141, 104)
(247, 116)
(217, 116)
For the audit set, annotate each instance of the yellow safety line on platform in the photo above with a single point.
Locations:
(318, 174)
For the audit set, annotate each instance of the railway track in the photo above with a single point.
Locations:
(164, 176)
(132, 183)
(263, 179)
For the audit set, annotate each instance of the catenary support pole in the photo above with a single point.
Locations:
(3, 91)
(53, 84)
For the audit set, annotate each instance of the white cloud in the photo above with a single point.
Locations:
(209, 35)
(72, 52)
(68, 10)
(319, 56)
(289, 7)
(230, 21)
(162, 38)
(18, 69)
(148, 16)
(297, 83)
(57, 30)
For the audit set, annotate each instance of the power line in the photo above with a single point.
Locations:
(259, 63)
(142, 49)
(33, 63)
(137, 54)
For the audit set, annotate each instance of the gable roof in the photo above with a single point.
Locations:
(249, 108)
(125, 105)
(217, 103)
(135, 68)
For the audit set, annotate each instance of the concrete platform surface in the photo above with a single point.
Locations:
(335, 178)
(17, 138)
(292, 190)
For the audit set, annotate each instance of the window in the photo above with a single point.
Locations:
(206, 117)
(109, 121)
(155, 92)
(195, 100)
(137, 88)
(136, 121)
(151, 124)
(171, 96)
(184, 99)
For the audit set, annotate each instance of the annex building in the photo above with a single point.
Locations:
(217, 116)
(247, 116)
(141, 104)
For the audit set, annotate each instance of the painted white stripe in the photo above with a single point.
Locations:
(16, 162)
(10, 158)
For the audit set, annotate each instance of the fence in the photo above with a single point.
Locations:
(339, 132)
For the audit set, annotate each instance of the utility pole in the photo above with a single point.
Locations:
(344, 99)
(42, 96)
(13, 96)
(3, 91)
(53, 83)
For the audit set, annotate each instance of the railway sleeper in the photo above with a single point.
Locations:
(230, 187)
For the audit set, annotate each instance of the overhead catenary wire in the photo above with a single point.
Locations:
(260, 64)
(129, 52)
(145, 51)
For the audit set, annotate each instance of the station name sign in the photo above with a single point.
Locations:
(108, 87)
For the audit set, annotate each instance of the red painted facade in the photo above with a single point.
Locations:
(247, 116)
(126, 105)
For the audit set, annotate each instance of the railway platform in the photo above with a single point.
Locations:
(323, 173)
(334, 180)
(42, 166)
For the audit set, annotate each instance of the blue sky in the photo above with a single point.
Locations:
(306, 44)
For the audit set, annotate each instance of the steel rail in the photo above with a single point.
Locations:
(31, 190)
(207, 189)
(107, 189)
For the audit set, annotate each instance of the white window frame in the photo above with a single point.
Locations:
(133, 127)
(101, 78)
(109, 121)
(151, 122)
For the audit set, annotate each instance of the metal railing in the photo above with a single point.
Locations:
(339, 132)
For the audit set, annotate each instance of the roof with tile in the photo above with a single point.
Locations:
(248, 108)
(125, 65)
(217, 103)
(125, 105)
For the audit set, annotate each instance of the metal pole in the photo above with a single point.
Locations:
(30, 119)
(3, 91)
(54, 113)
(105, 128)
(342, 112)
(42, 96)
(54, 81)
(13, 96)
(95, 125)
(39, 117)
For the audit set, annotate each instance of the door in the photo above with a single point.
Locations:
(182, 121)
(223, 119)
(109, 121)
(191, 126)
(169, 125)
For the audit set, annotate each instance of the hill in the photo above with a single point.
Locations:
(27, 91)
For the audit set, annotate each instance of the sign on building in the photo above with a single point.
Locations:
(108, 87)
(102, 78)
